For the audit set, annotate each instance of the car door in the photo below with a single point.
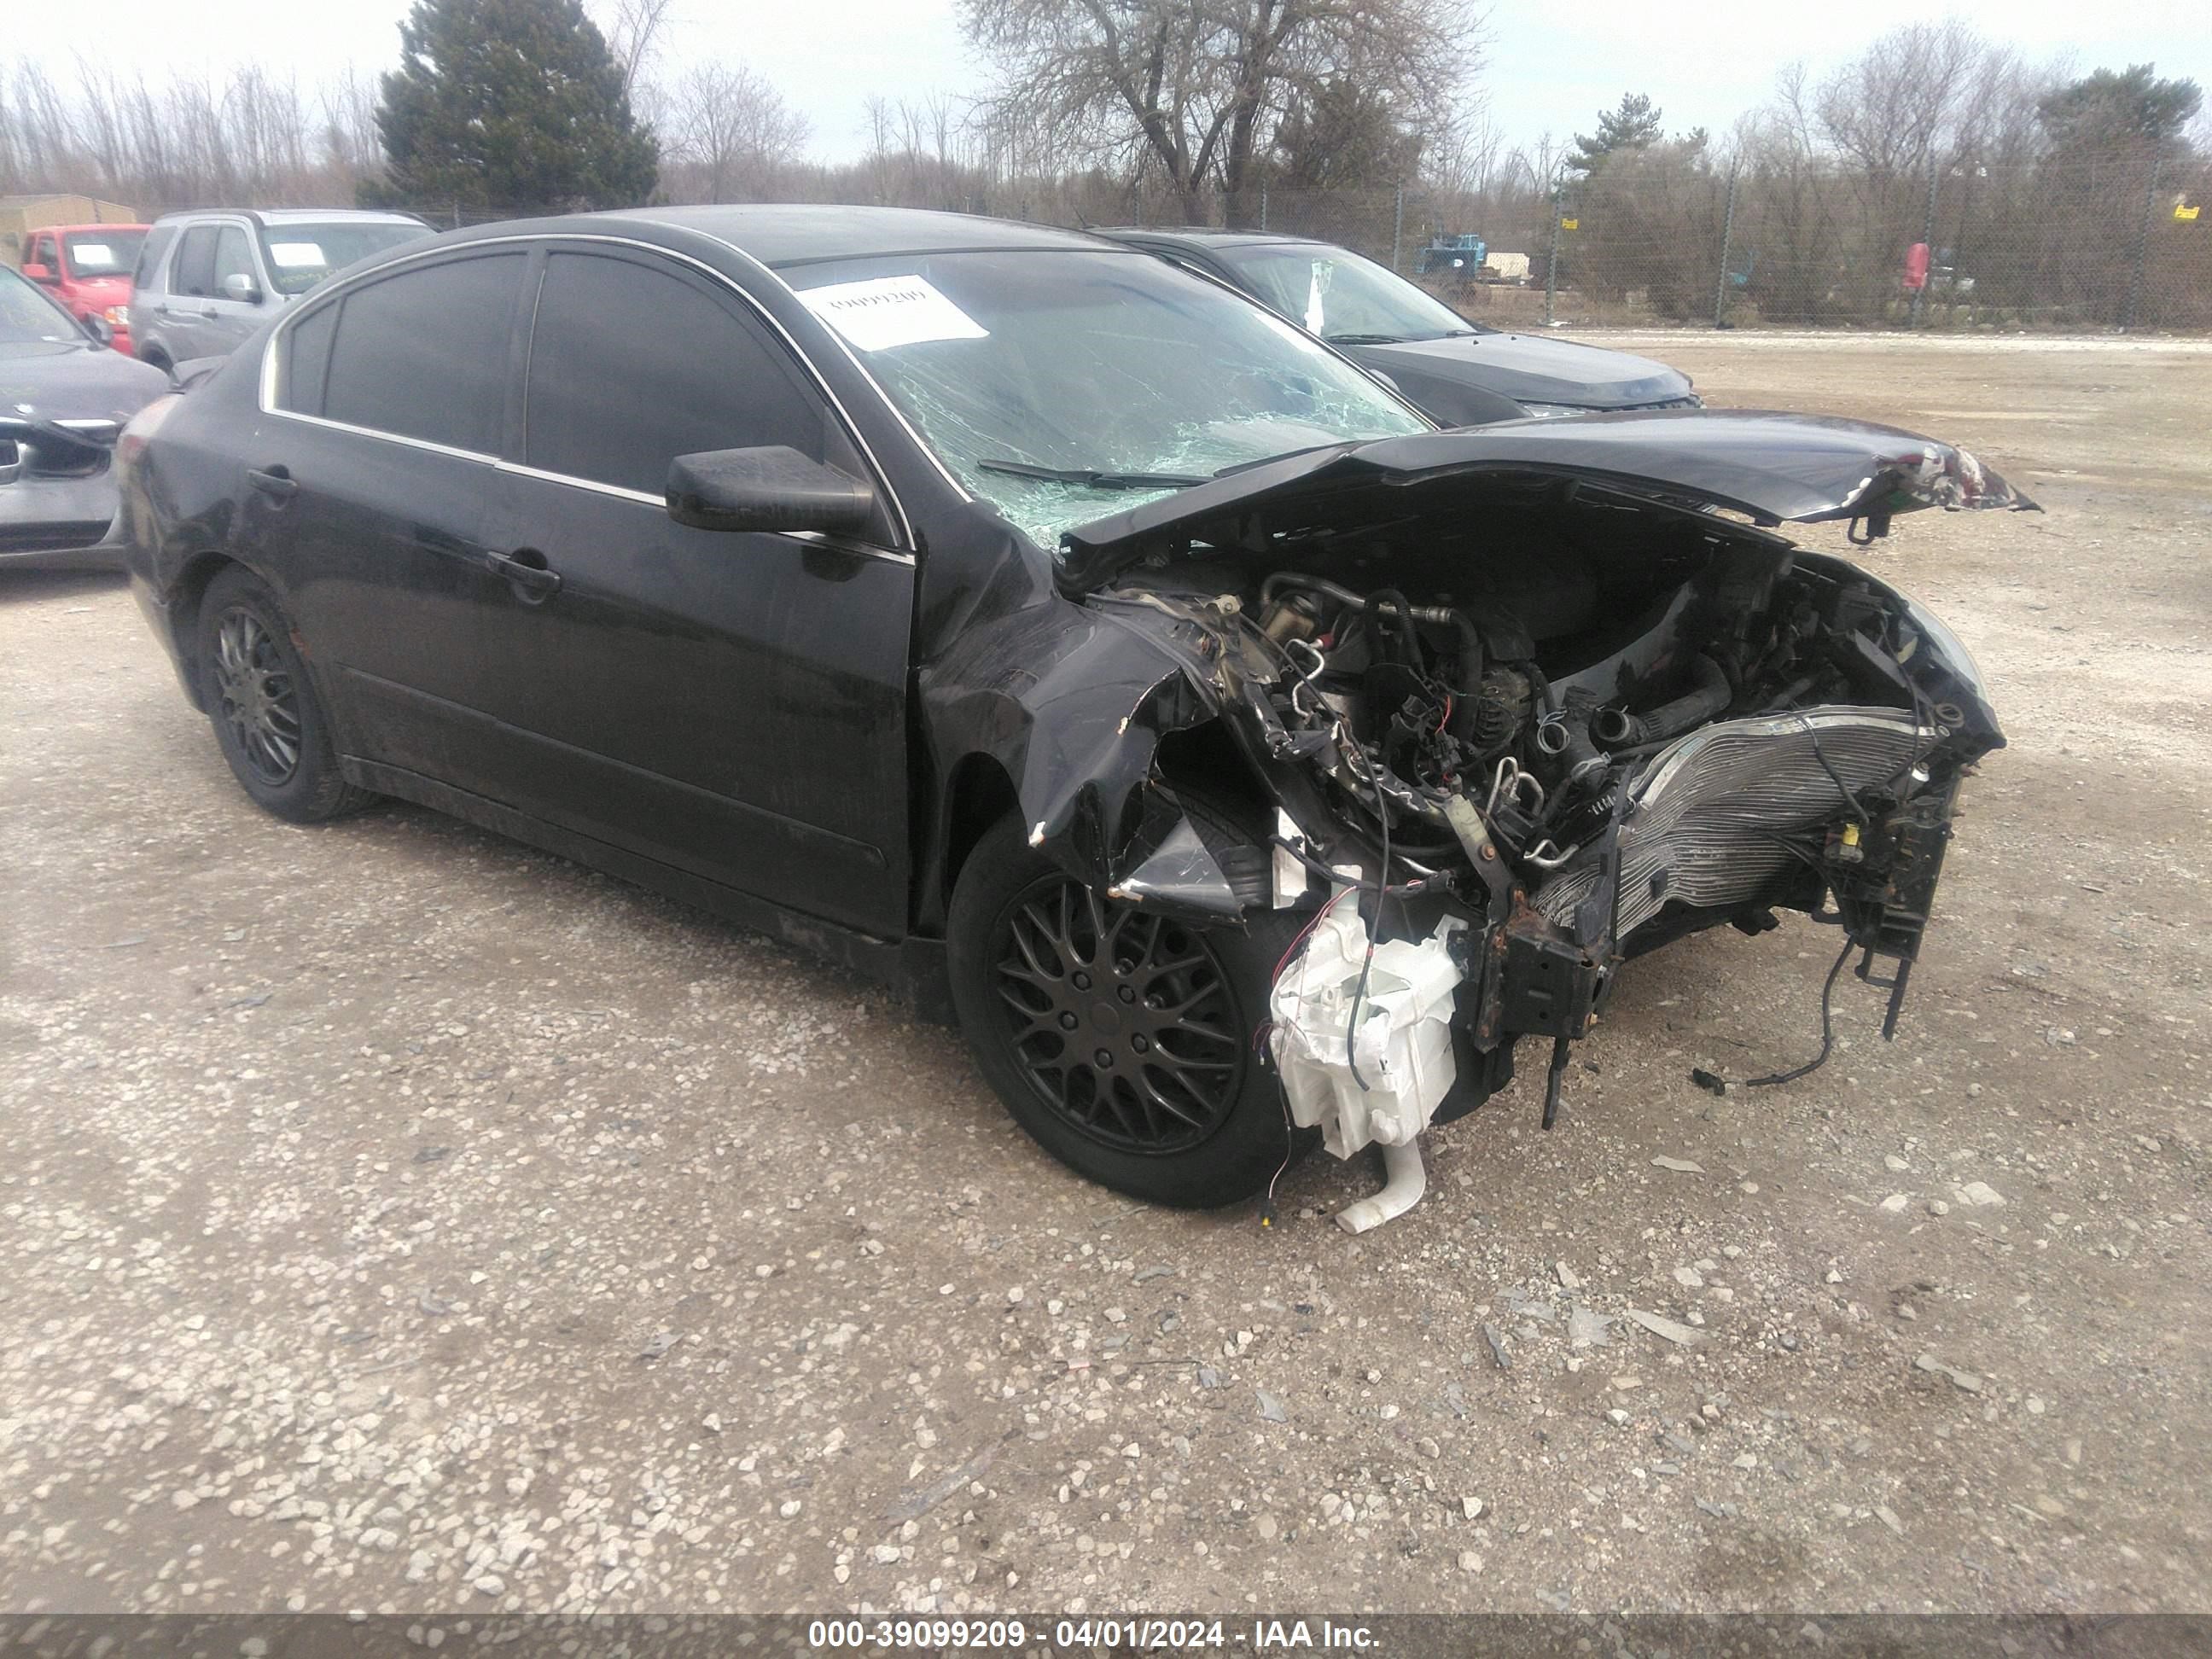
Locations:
(369, 484)
(228, 320)
(180, 312)
(732, 704)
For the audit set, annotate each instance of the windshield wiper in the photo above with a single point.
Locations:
(1092, 476)
(1232, 470)
(1365, 339)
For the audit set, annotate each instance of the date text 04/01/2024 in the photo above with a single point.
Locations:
(1261, 1635)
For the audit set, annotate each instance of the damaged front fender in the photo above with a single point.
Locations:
(1072, 701)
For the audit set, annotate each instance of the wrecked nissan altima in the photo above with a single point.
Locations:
(1245, 763)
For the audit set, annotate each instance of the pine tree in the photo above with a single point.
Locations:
(1633, 123)
(2106, 108)
(511, 105)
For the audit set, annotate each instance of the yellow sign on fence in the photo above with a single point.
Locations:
(1577, 224)
(2181, 212)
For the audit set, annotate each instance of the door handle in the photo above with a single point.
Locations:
(525, 568)
(276, 482)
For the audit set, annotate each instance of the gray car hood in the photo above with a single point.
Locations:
(1776, 468)
(1525, 368)
(62, 380)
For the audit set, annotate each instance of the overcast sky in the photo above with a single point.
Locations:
(1550, 67)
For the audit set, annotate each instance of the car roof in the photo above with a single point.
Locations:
(787, 234)
(1204, 236)
(292, 216)
(78, 230)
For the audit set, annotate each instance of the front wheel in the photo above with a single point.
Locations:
(1121, 1040)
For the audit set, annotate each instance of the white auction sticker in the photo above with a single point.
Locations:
(297, 256)
(891, 311)
(93, 254)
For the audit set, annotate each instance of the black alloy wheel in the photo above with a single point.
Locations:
(1121, 1040)
(268, 721)
(1122, 1020)
(256, 695)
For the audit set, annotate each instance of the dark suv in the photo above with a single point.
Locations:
(206, 281)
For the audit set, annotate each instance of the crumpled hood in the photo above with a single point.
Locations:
(62, 380)
(1529, 369)
(1778, 468)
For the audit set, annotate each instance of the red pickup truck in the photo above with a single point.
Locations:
(87, 268)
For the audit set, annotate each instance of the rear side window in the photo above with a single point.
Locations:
(149, 256)
(423, 354)
(632, 365)
(194, 271)
(306, 357)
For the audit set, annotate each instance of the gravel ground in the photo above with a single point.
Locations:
(397, 1219)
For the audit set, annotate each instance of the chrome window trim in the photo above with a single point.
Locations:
(425, 444)
(332, 294)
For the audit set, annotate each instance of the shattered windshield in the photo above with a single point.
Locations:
(1062, 386)
(1340, 296)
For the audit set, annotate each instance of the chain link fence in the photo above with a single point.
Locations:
(2105, 240)
(2101, 240)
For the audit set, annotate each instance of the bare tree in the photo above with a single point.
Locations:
(734, 136)
(632, 30)
(1193, 89)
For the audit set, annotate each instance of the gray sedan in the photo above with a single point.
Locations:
(63, 399)
(1460, 373)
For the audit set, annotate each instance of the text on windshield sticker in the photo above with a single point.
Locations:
(884, 311)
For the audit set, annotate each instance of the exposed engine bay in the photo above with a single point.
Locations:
(1533, 728)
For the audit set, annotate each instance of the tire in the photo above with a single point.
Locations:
(1016, 988)
(267, 720)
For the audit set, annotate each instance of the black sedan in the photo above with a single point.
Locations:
(63, 398)
(1462, 373)
(1242, 761)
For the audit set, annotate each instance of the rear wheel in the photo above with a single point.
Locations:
(1121, 1040)
(267, 720)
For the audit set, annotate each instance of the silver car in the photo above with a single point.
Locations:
(206, 280)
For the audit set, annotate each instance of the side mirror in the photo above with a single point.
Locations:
(771, 488)
(241, 288)
(101, 331)
(41, 273)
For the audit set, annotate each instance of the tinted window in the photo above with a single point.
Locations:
(234, 257)
(150, 257)
(423, 354)
(307, 355)
(42, 252)
(195, 269)
(631, 366)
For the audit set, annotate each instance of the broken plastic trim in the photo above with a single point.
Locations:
(1378, 1083)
